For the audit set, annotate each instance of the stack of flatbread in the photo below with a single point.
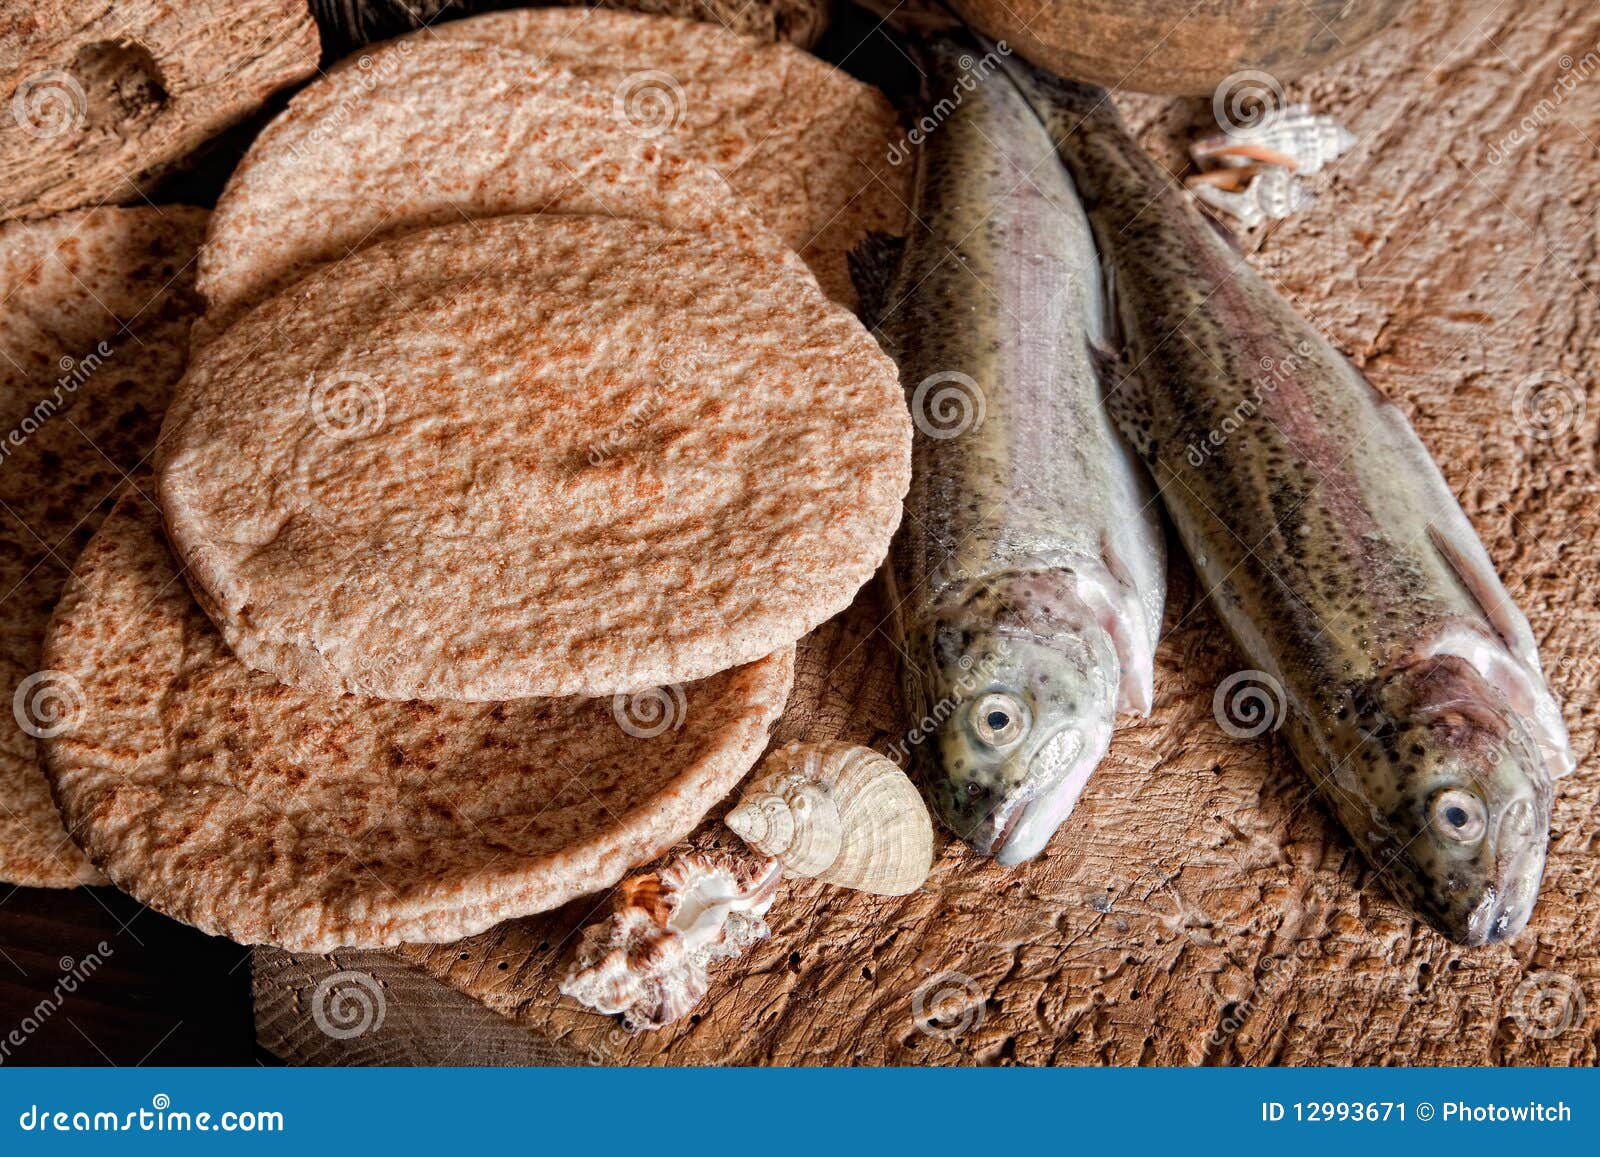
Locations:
(525, 427)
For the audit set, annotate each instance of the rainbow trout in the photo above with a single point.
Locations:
(1333, 550)
(1028, 577)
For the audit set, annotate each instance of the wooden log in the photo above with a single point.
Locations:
(1201, 907)
(101, 99)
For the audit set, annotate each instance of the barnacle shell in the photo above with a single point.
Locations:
(839, 813)
(648, 959)
(1294, 136)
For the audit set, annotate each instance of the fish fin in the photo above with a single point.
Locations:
(1513, 667)
(1126, 623)
(873, 266)
(1229, 237)
(1123, 396)
(1483, 586)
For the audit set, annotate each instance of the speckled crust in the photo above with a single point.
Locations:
(803, 144)
(581, 455)
(1029, 573)
(121, 92)
(74, 414)
(1333, 548)
(224, 799)
(421, 133)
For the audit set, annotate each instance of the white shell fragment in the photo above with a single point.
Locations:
(838, 813)
(1273, 193)
(648, 959)
(1252, 173)
(1293, 137)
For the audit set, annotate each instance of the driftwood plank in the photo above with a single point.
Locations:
(1202, 907)
(100, 98)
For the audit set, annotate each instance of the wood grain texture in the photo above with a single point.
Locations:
(101, 98)
(1201, 907)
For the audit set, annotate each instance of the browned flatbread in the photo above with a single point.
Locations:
(418, 134)
(92, 337)
(544, 455)
(103, 98)
(806, 145)
(224, 799)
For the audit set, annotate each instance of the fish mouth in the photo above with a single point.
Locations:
(1058, 772)
(1508, 906)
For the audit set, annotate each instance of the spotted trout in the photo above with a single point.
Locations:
(1028, 577)
(1408, 682)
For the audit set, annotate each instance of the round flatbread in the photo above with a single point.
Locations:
(251, 810)
(96, 308)
(545, 455)
(807, 146)
(419, 134)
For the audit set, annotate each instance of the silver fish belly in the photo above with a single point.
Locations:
(1333, 549)
(1028, 578)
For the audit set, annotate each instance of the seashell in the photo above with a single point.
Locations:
(838, 813)
(1273, 192)
(648, 960)
(1294, 137)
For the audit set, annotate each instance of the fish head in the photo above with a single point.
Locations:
(1470, 817)
(1018, 706)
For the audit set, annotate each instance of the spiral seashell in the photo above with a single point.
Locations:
(648, 959)
(1294, 137)
(838, 813)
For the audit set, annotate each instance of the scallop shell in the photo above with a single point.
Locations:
(648, 960)
(1272, 192)
(838, 813)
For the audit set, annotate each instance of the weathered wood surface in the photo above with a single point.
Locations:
(100, 98)
(1202, 907)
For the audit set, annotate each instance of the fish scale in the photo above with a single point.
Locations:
(1028, 575)
(1334, 550)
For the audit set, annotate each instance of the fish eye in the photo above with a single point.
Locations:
(999, 720)
(1458, 815)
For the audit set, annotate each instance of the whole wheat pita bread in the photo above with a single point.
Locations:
(222, 798)
(543, 455)
(418, 134)
(92, 337)
(806, 145)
